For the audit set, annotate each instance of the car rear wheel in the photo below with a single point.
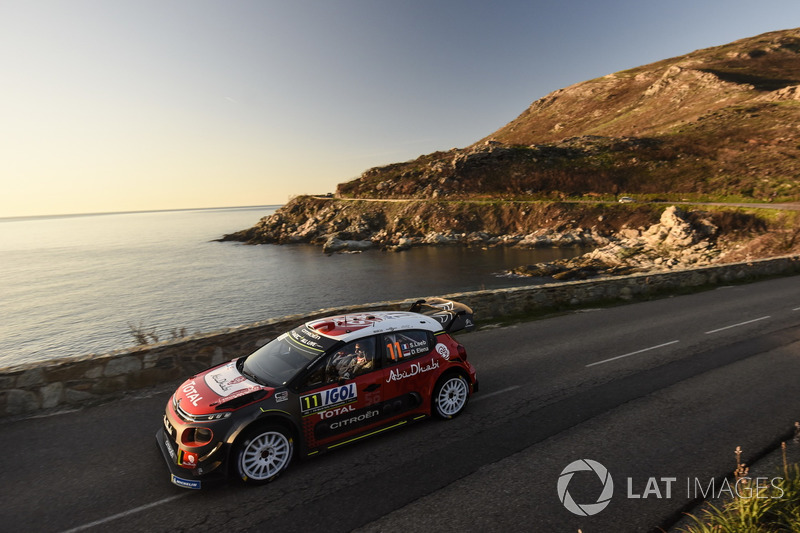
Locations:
(263, 454)
(450, 396)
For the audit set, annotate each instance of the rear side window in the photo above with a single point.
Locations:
(404, 345)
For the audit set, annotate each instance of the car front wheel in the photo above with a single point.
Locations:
(263, 454)
(450, 396)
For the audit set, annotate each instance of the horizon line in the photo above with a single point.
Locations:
(132, 212)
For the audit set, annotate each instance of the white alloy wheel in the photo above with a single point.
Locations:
(450, 396)
(264, 455)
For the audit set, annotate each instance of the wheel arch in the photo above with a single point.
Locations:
(271, 417)
(443, 377)
(271, 420)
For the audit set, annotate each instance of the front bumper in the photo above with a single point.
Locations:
(184, 477)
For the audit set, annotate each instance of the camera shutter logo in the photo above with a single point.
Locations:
(585, 509)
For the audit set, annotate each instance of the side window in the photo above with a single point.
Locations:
(317, 376)
(404, 345)
(349, 361)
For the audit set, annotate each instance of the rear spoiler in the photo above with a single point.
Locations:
(453, 316)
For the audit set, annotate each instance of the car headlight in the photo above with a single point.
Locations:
(213, 416)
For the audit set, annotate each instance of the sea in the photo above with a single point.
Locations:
(83, 284)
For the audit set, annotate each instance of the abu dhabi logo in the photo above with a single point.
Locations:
(585, 509)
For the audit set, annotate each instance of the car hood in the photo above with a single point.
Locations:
(208, 391)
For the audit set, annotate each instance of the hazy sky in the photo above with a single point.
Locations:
(117, 105)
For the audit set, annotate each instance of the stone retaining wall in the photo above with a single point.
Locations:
(82, 380)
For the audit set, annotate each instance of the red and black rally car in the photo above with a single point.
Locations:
(321, 385)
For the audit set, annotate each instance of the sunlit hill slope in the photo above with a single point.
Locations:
(722, 121)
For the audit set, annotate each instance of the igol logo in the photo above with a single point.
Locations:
(585, 509)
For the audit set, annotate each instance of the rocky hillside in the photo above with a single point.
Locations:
(717, 122)
(720, 123)
(679, 239)
(356, 225)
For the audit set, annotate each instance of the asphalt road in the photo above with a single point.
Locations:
(659, 393)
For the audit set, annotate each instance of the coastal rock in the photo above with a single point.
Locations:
(399, 225)
(440, 238)
(627, 238)
(335, 244)
(550, 238)
(678, 240)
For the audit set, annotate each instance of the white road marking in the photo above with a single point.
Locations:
(796, 309)
(632, 353)
(737, 325)
(125, 513)
(495, 393)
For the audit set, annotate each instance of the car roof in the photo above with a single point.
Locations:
(354, 326)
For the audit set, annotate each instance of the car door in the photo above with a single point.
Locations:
(410, 366)
(341, 397)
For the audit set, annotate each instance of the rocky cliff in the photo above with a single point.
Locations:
(623, 238)
(679, 239)
(356, 225)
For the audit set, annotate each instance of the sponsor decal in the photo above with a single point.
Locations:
(306, 337)
(282, 396)
(328, 398)
(443, 351)
(227, 382)
(191, 393)
(187, 458)
(186, 483)
(336, 411)
(347, 420)
(312, 336)
(413, 370)
(354, 420)
(169, 449)
(242, 392)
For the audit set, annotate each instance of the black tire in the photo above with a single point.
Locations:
(450, 396)
(263, 454)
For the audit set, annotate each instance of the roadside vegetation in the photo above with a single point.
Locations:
(143, 335)
(756, 507)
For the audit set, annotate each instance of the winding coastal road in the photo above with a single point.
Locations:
(786, 206)
(659, 393)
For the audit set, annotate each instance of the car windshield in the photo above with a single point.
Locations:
(280, 360)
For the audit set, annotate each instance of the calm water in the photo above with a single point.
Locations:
(74, 285)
